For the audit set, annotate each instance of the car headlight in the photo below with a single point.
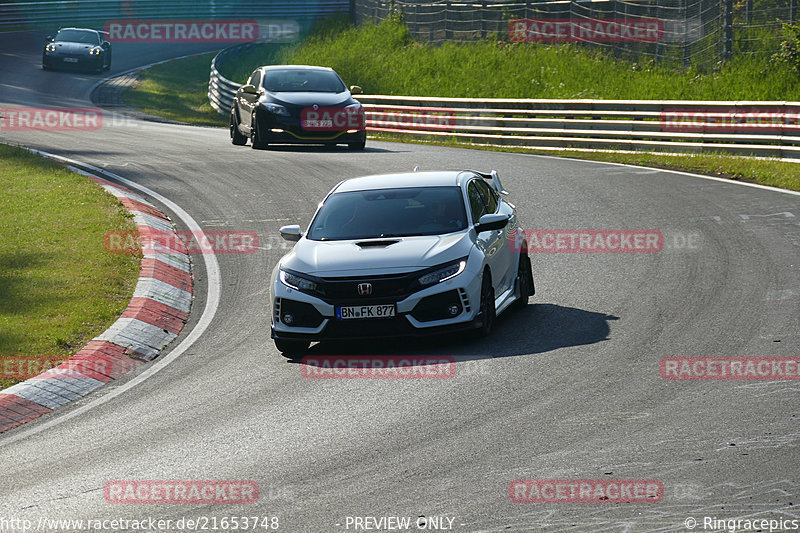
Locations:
(355, 108)
(50, 47)
(96, 51)
(276, 109)
(300, 283)
(444, 273)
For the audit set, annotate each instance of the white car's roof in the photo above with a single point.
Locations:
(450, 178)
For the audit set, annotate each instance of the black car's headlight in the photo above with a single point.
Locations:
(300, 283)
(96, 51)
(443, 273)
(50, 47)
(276, 109)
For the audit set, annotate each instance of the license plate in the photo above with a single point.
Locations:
(317, 124)
(70, 60)
(365, 311)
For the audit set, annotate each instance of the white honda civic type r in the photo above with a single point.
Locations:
(401, 254)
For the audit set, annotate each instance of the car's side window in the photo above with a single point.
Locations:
(488, 195)
(476, 202)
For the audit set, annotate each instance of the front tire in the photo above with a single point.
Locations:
(524, 281)
(487, 310)
(257, 139)
(292, 348)
(237, 137)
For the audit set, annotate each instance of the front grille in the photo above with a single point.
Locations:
(385, 289)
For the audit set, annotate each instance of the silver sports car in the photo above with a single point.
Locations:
(401, 254)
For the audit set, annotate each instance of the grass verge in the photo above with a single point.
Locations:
(164, 93)
(59, 286)
(371, 56)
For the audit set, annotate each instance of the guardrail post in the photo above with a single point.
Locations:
(448, 30)
(728, 33)
(483, 20)
(687, 46)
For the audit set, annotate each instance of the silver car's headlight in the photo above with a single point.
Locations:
(444, 273)
(96, 51)
(50, 47)
(300, 283)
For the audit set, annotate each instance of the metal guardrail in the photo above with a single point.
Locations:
(53, 13)
(221, 90)
(767, 129)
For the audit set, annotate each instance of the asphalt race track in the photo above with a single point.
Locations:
(568, 388)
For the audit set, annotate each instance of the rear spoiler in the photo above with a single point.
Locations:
(494, 180)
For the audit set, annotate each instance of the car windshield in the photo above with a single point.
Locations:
(379, 213)
(77, 36)
(295, 80)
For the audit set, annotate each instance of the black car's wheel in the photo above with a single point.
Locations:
(237, 137)
(358, 145)
(487, 310)
(524, 281)
(107, 65)
(292, 348)
(257, 139)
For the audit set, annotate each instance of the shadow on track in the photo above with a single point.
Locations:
(301, 148)
(538, 328)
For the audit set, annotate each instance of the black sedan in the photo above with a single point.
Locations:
(297, 104)
(77, 47)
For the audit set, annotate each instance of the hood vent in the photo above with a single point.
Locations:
(377, 244)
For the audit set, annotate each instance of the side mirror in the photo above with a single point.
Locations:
(291, 232)
(249, 89)
(355, 89)
(491, 222)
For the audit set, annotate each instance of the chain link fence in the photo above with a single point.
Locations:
(683, 32)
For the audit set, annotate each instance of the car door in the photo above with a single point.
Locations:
(490, 242)
(506, 255)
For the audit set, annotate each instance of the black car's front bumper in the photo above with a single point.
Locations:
(284, 129)
(56, 60)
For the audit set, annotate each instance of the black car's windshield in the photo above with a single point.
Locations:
(296, 80)
(77, 36)
(389, 213)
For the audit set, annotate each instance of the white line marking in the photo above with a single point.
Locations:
(212, 304)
